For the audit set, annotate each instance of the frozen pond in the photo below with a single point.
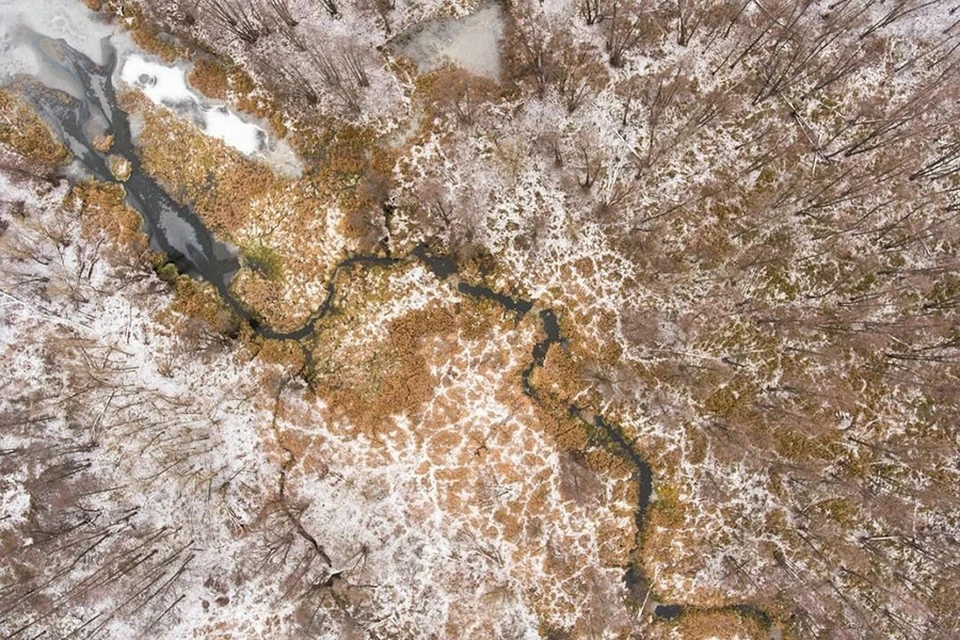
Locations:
(471, 42)
(67, 19)
(164, 85)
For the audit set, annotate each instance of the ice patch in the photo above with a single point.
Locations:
(220, 123)
(71, 21)
(471, 42)
(167, 86)
(163, 85)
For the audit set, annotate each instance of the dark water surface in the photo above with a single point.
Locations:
(173, 228)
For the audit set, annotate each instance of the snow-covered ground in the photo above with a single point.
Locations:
(209, 462)
(768, 321)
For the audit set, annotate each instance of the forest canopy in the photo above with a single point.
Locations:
(579, 319)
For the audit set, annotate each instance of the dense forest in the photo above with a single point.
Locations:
(575, 319)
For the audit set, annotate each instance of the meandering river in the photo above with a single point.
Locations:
(76, 95)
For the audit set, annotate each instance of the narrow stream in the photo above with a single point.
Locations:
(178, 231)
(172, 228)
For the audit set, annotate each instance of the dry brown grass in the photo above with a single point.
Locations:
(198, 301)
(394, 379)
(699, 625)
(237, 196)
(283, 352)
(104, 213)
(217, 181)
(368, 371)
(221, 79)
(211, 78)
(451, 92)
(103, 143)
(23, 131)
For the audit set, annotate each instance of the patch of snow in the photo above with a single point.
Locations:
(225, 125)
(14, 503)
(167, 86)
(162, 84)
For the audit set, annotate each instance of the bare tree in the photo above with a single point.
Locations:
(579, 73)
(241, 18)
(590, 160)
(660, 96)
(282, 9)
(291, 81)
(463, 95)
(592, 11)
(898, 10)
(188, 10)
(331, 7)
(293, 36)
(342, 73)
(531, 49)
(553, 58)
(631, 23)
(690, 14)
(382, 8)
(625, 31)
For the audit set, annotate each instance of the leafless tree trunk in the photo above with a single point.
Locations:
(625, 31)
(343, 74)
(241, 18)
(282, 9)
(578, 73)
(590, 162)
(592, 11)
(690, 14)
(534, 51)
(331, 7)
(289, 80)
